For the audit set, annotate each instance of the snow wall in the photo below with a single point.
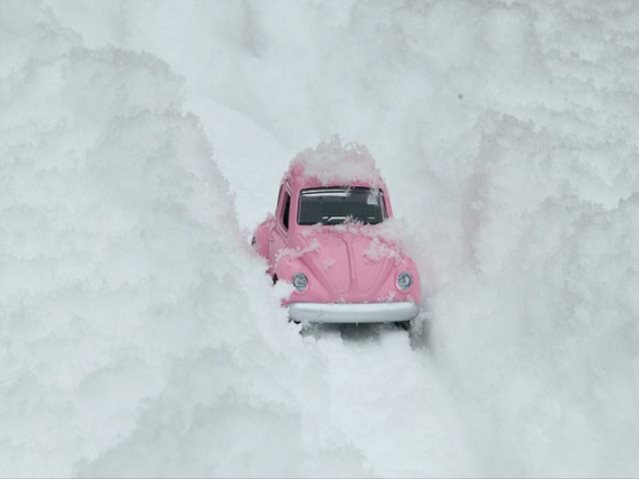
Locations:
(139, 335)
(128, 301)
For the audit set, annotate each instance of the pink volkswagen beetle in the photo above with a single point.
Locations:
(329, 238)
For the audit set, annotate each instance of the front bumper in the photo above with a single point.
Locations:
(352, 312)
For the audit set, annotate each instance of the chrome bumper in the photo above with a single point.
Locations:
(352, 312)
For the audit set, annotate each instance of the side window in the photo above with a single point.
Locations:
(286, 210)
(383, 202)
(279, 195)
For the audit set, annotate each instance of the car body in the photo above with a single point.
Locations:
(327, 237)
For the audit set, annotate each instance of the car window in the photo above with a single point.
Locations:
(332, 206)
(286, 210)
(279, 195)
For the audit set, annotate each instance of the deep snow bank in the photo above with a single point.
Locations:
(505, 131)
(539, 330)
(129, 304)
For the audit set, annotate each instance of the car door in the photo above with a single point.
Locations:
(279, 235)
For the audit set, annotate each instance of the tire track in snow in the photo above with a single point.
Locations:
(388, 401)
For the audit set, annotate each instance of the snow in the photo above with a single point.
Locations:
(335, 163)
(377, 250)
(140, 142)
(285, 253)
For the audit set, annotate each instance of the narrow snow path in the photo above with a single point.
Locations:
(389, 401)
(385, 397)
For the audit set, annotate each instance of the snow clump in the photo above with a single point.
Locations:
(335, 163)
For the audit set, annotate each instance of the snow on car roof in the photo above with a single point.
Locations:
(335, 163)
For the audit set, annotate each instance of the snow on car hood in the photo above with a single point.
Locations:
(350, 259)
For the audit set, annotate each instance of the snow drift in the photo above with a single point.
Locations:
(140, 337)
(125, 290)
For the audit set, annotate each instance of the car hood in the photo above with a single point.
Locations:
(349, 265)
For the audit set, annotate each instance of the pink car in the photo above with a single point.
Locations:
(330, 238)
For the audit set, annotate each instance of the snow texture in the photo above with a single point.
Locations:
(141, 141)
(284, 253)
(334, 163)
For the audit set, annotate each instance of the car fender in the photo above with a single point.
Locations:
(261, 237)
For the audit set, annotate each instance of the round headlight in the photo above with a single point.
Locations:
(404, 280)
(300, 281)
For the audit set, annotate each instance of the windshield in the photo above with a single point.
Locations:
(332, 206)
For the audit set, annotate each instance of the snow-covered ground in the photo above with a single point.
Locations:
(141, 141)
